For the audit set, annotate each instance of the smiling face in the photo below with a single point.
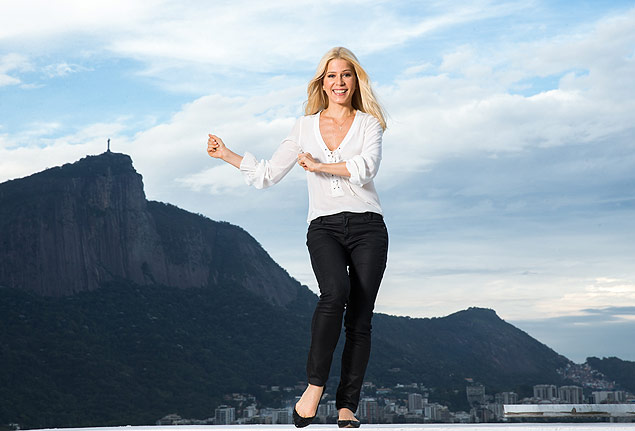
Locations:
(339, 82)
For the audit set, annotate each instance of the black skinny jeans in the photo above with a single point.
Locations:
(348, 254)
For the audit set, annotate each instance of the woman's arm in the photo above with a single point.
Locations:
(216, 148)
(260, 174)
(364, 166)
(308, 163)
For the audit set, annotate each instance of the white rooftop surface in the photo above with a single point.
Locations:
(385, 427)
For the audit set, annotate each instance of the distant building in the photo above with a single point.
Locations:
(609, 397)
(239, 397)
(368, 410)
(368, 385)
(571, 394)
(436, 413)
(462, 417)
(497, 409)
(475, 394)
(482, 414)
(415, 403)
(546, 392)
(265, 416)
(331, 410)
(250, 411)
(430, 412)
(390, 407)
(280, 416)
(322, 411)
(506, 398)
(224, 415)
(172, 419)
(500, 400)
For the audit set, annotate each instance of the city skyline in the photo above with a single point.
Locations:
(508, 170)
(411, 403)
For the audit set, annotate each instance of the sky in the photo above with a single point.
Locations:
(508, 174)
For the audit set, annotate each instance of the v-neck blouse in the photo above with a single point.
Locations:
(328, 194)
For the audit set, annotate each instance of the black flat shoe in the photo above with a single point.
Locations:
(301, 422)
(348, 423)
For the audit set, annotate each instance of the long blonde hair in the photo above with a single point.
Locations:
(364, 99)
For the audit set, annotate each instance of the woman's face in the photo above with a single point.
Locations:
(339, 82)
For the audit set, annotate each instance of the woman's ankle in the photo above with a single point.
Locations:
(346, 414)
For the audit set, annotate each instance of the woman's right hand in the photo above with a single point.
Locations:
(216, 147)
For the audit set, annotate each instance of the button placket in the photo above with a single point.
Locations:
(334, 157)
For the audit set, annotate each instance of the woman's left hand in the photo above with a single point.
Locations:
(308, 163)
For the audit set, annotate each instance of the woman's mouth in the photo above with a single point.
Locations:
(340, 92)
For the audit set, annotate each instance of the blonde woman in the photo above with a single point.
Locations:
(338, 143)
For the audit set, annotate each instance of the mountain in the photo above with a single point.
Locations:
(473, 343)
(72, 228)
(118, 310)
(617, 370)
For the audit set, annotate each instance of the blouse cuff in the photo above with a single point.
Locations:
(248, 167)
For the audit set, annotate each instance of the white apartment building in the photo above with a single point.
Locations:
(571, 394)
(224, 415)
(546, 392)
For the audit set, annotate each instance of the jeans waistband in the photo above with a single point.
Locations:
(347, 215)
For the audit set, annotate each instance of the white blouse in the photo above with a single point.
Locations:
(328, 194)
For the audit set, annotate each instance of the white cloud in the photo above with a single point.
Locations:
(468, 107)
(166, 154)
(169, 153)
(34, 151)
(12, 63)
(601, 292)
(42, 20)
(216, 180)
(221, 38)
(515, 277)
(62, 69)
(203, 33)
(22, 161)
(8, 80)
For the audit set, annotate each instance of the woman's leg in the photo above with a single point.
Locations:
(329, 259)
(368, 245)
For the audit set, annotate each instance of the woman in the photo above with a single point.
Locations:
(338, 142)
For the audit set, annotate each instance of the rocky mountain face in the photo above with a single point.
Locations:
(73, 228)
(117, 310)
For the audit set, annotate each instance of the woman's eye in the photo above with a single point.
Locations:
(330, 76)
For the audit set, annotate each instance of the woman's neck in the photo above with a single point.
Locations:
(339, 111)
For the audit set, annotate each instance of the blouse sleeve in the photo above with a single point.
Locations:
(364, 166)
(265, 173)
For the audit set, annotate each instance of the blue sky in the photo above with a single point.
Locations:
(508, 178)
